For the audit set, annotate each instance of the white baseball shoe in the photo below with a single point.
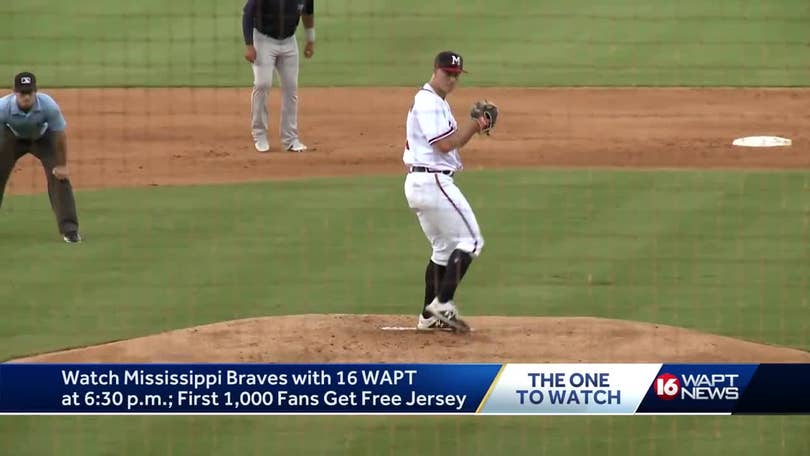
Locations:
(447, 313)
(297, 146)
(431, 324)
(72, 237)
(262, 145)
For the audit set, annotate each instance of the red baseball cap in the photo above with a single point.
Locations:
(449, 61)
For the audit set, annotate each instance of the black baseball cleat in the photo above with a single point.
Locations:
(72, 237)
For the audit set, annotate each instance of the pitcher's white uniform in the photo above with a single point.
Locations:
(446, 217)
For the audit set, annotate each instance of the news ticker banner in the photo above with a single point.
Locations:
(453, 389)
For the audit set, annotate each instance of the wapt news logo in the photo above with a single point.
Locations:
(698, 387)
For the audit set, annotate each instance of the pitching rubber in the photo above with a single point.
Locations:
(413, 328)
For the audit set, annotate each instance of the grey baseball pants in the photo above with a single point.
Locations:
(281, 56)
(60, 192)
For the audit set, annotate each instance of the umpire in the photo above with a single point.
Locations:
(32, 122)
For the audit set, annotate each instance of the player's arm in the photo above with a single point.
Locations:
(436, 127)
(458, 138)
(248, 16)
(57, 126)
(60, 171)
(308, 18)
(61, 148)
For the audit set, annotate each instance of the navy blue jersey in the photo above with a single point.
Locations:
(275, 18)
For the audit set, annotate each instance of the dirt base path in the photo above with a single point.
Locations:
(141, 137)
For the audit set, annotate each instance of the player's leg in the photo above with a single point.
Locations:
(422, 201)
(434, 273)
(287, 66)
(426, 201)
(460, 226)
(263, 67)
(60, 192)
(8, 157)
(436, 267)
(433, 277)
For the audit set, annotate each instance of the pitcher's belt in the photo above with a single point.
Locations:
(422, 169)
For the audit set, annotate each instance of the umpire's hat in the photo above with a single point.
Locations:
(25, 82)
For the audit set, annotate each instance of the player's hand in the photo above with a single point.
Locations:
(250, 53)
(309, 50)
(61, 172)
(486, 115)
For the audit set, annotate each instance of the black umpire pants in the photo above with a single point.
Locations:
(60, 191)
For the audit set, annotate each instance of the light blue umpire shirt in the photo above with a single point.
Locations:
(45, 115)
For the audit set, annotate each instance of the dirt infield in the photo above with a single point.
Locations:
(143, 137)
(136, 137)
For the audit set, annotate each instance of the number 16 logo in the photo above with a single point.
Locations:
(667, 387)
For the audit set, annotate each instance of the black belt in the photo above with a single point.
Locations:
(422, 169)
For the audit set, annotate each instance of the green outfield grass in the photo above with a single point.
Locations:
(719, 252)
(392, 42)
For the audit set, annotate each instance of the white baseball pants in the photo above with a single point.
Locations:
(445, 215)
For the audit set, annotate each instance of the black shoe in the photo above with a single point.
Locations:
(72, 237)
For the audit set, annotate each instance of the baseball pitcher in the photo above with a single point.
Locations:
(269, 28)
(32, 122)
(432, 158)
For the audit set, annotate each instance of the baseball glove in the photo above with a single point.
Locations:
(486, 114)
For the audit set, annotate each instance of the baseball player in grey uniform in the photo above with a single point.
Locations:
(269, 29)
(31, 121)
(432, 158)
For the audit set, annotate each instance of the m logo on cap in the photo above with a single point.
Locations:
(456, 60)
(25, 80)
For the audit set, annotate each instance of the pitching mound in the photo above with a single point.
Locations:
(359, 338)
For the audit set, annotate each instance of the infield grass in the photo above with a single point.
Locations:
(368, 436)
(720, 252)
